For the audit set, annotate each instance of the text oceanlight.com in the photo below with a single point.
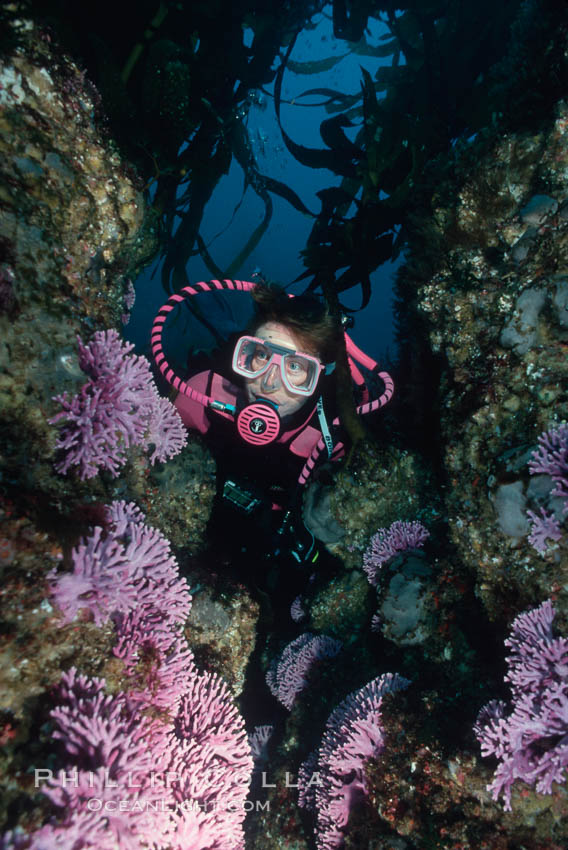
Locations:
(96, 804)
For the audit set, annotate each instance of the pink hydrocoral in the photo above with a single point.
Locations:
(352, 736)
(399, 537)
(129, 574)
(209, 722)
(164, 763)
(288, 676)
(117, 408)
(121, 515)
(164, 431)
(99, 580)
(158, 664)
(109, 356)
(551, 458)
(121, 568)
(258, 742)
(130, 781)
(110, 412)
(110, 754)
(102, 736)
(296, 610)
(543, 528)
(531, 741)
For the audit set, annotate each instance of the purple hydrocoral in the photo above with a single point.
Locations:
(179, 784)
(296, 610)
(169, 753)
(165, 431)
(532, 741)
(399, 537)
(258, 742)
(544, 527)
(352, 736)
(288, 676)
(121, 568)
(550, 458)
(117, 408)
(127, 573)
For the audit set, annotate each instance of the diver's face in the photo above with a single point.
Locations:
(270, 385)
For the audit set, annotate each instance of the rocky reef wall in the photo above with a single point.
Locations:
(74, 232)
(483, 375)
(495, 312)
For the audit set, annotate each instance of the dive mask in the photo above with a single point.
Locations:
(255, 358)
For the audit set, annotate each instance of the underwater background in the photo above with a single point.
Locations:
(407, 162)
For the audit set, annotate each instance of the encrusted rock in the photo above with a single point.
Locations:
(221, 628)
(404, 605)
(70, 227)
(499, 322)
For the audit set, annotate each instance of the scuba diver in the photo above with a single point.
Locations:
(266, 409)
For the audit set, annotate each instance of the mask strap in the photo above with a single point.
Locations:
(324, 427)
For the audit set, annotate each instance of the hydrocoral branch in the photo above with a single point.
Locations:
(543, 528)
(158, 665)
(296, 610)
(258, 742)
(164, 431)
(288, 676)
(165, 762)
(118, 569)
(99, 580)
(387, 542)
(131, 781)
(531, 741)
(550, 458)
(353, 735)
(119, 407)
(127, 573)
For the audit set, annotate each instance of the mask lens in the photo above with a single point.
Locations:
(260, 357)
(301, 372)
(251, 357)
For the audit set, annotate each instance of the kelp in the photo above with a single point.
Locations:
(177, 79)
(176, 82)
(317, 66)
(445, 83)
